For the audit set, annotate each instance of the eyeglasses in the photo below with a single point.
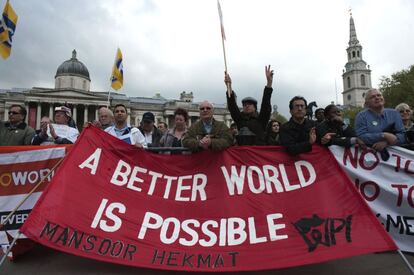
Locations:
(205, 108)
(297, 106)
(405, 111)
(13, 113)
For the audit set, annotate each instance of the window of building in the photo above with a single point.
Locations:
(353, 54)
(349, 81)
(84, 85)
(362, 80)
(358, 53)
(363, 95)
(349, 55)
(349, 97)
(71, 82)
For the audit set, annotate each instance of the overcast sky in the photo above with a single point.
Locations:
(170, 46)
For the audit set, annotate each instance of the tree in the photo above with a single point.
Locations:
(398, 88)
(350, 114)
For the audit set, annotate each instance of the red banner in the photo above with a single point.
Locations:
(247, 208)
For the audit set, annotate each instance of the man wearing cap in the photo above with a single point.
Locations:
(122, 130)
(151, 133)
(60, 132)
(15, 131)
(208, 133)
(249, 117)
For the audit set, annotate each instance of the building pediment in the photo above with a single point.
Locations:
(65, 93)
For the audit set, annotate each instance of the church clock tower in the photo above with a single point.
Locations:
(357, 74)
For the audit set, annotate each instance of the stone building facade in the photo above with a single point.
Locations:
(72, 88)
(357, 74)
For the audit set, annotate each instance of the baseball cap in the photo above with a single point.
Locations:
(148, 116)
(64, 109)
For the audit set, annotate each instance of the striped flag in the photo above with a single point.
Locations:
(8, 23)
(223, 35)
(117, 78)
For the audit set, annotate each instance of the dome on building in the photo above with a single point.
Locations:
(73, 67)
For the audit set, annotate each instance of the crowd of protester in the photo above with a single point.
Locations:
(375, 126)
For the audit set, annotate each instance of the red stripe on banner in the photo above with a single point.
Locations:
(246, 208)
(13, 149)
(20, 178)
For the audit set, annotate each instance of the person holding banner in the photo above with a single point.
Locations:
(298, 134)
(378, 126)
(106, 117)
(122, 130)
(333, 130)
(249, 117)
(15, 131)
(207, 133)
(59, 132)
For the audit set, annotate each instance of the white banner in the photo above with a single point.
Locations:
(20, 171)
(387, 186)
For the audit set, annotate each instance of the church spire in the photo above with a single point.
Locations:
(353, 40)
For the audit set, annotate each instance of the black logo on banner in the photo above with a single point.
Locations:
(324, 231)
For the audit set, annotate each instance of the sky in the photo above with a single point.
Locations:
(170, 46)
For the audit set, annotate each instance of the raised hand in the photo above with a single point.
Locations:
(227, 81)
(269, 76)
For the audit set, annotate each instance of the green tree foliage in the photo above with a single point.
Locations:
(350, 114)
(398, 88)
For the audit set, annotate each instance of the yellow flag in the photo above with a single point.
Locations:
(8, 23)
(117, 78)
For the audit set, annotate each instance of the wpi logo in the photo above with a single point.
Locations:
(316, 230)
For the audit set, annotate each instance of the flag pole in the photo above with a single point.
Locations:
(29, 194)
(223, 37)
(225, 66)
(108, 103)
(10, 247)
(409, 266)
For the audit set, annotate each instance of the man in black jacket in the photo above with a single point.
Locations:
(249, 117)
(298, 134)
(333, 130)
(151, 133)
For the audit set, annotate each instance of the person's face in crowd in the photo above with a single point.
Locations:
(15, 115)
(405, 114)
(248, 108)
(275, 127)
(162, 127)
(148, 125)
(375, 100)
(319, 115)
(61, 118)
(104, 117)
(179, 121)
(234, 130)
(120, 114)
(206, 111)
(298, 111)
(335, 115)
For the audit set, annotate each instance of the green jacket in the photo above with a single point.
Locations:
(221, 137)
(21, 134)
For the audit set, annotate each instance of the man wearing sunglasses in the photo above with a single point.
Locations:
(208, 133)
(15, 131)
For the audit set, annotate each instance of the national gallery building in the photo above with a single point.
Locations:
(72, 88)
